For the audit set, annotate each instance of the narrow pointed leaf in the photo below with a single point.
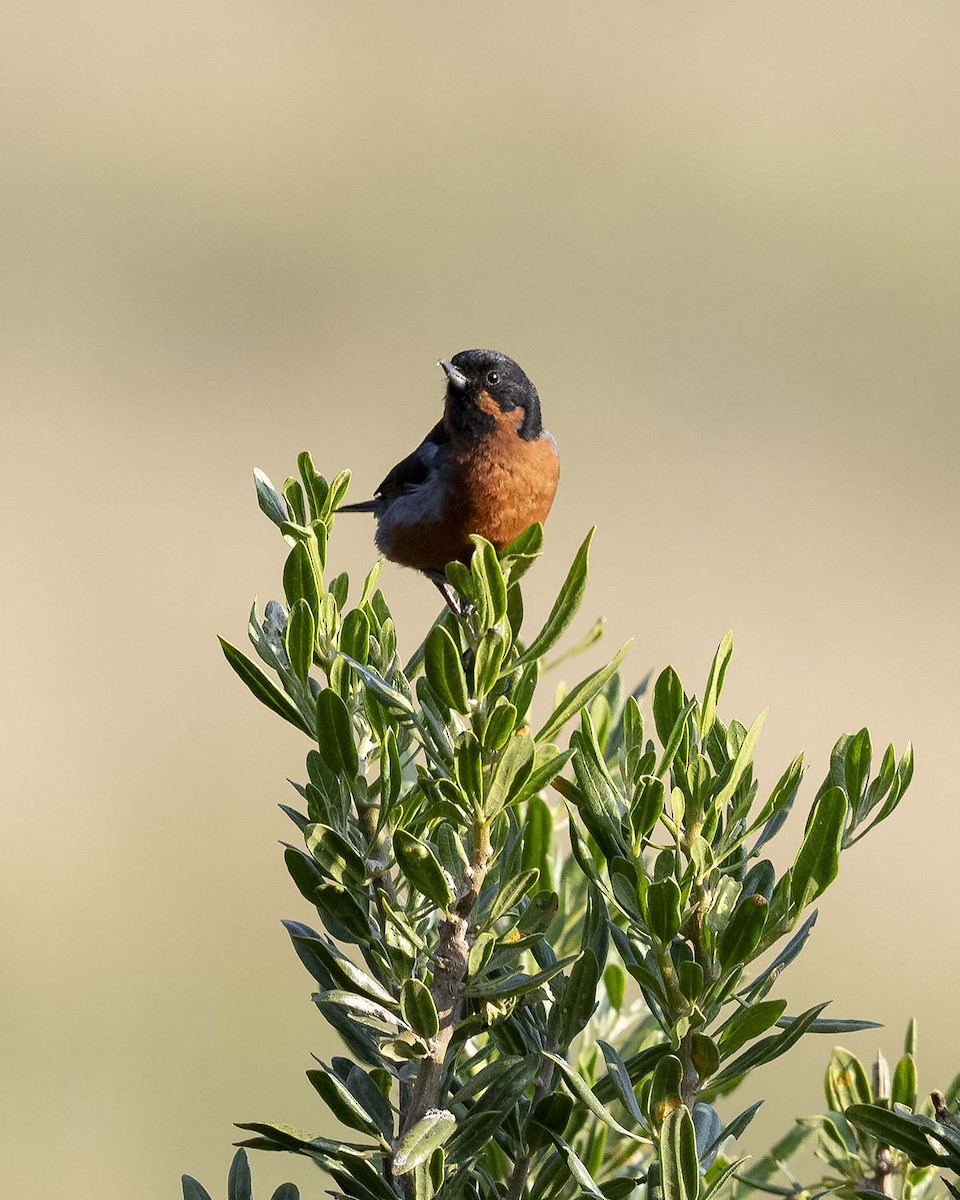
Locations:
(239, 1183)
(422, 868)
(265, 691)
(418, 1008)
(581, 696)
(335, 734)
(718, 671)
(299, 638)
(768, 1048)
(192, 1188)
(444, 669)
(581, 1091)
(678, 1156)
(619, 1078)
(269, 498)
(744, 759)
(818, 859)
(565, 607)
(418, 1143)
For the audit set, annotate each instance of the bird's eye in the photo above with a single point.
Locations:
(493, 378)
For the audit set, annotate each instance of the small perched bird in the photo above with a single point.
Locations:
(488, 467)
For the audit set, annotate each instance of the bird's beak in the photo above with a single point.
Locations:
(457, 379)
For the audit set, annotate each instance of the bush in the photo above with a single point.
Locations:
(517, 1020)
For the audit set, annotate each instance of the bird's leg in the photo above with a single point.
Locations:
(447, 592)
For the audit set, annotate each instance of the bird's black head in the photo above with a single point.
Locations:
(484, 383)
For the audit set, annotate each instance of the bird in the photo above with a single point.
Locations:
(487, 467)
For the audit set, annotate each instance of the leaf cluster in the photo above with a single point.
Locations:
(877, 1136)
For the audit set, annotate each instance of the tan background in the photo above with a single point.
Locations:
(723, 239)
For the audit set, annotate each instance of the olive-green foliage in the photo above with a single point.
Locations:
(519, 1021)
(877, 1136)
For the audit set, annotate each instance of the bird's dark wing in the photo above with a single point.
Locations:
(416, 468)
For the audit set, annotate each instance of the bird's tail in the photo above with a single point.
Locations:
(363, 506)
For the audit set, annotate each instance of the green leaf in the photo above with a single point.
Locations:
(484, 1079)
(490, 588)
(667, 703)
(665, 1087)
(620, 1082)
(690, 977)
(615, 983)
(418, 1143)
(365, 1010)
(517, 985)
(768, 1048)
(519, 555)
(288, 1138)
(549, 1118)
(678, 1156)
(299, 638)
(480, 954)
(646, 808)
(310, 946)
(846, 1081)
(903, 1089)
(391, 773)
(192, 1188)
(833, 1025)
(718, 671)
(342, 1103)
(355, 635)
(286, 1191)
(856, 766)
(500, 725)
(490, 654)
(265, 691)
(818, 859)
(539, 914)
(565, 607)
(422, 868)
(780, 801)
(677, 734)
(337, 857)
(747, 1024)
(741, 937)
(579, 997)
(578, 1170)
(537, 840)
(474, 1133)
(418, 1008)
(511, 892)
(269, 500)
(388, 696)
(299, 580)
(744, 759)
(513, 769)
(239, 1184)
(768, 976)
(444, 669)
(581, 696)
(704, 1055)
(338, 490)
(901, 1130)
(335, 735)
(582, 1092)
(314, 485)
(663, 910)
(341, 913)
(293, 494)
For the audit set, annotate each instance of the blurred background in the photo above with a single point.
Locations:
(722, 239)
